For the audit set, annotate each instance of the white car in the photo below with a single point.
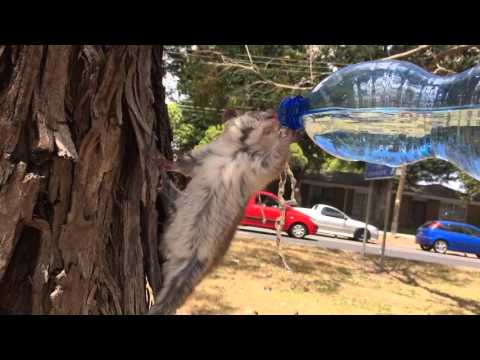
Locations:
(332, 221)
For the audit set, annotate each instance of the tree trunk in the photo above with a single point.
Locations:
(398, 200)
(83, 130)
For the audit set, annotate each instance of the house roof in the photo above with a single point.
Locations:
(340, 178)
(435, 190)
(357, 180)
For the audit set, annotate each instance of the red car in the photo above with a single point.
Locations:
(296, 225)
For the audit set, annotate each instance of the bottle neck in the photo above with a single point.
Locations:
(291, 111)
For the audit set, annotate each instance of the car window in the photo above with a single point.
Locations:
(332, 213)
(458, 229)
(476, 232)
(471, 231)
(452, 228)
(466, 230)
(266, 201)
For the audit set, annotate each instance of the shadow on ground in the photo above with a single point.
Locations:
(409, 273)
(322, 271)
(259, 261)
(210, 304)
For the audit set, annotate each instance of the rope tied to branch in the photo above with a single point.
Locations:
(280, 222)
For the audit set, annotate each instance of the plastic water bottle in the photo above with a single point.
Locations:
(392, 113)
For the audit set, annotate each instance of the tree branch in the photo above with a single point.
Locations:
(407, 53)
(248, 53)
(254, 70)
(440, 69)
(452, 51)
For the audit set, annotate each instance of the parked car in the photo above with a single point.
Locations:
(442, 236)
(263, 210)
(332, 221)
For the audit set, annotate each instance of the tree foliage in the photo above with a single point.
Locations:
(335, 164)
(259, 76)
(211, 133)
(471, 186)
(298, 160)
(433, 170)
(185, 133)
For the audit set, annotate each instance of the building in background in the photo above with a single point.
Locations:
(348, 192)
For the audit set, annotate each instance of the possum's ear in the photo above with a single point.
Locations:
(229, 114)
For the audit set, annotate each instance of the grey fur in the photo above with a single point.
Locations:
(225, 173)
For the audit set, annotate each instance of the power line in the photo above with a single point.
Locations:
(282, 59)
(290, 68)
(206, 110)
(247, 63)
(304, 67)
(297, 68)
(306, 72)
(192, 104)
(295, 61)
(203, 110)
(246, 107)
(197, 109)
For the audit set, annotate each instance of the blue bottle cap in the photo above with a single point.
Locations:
(291, 110)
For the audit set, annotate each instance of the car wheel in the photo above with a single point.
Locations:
(297, 231)
(478, 255)
(426, 247)
(358, 235)
(440, 246)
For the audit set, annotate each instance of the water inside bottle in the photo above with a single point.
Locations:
(399, 136)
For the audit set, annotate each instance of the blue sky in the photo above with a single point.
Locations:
(170, 83)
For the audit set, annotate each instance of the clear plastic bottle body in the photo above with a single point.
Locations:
(395, 113)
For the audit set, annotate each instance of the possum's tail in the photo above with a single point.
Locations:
(180, 279)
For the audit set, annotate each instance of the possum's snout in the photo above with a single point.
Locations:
(273, 119)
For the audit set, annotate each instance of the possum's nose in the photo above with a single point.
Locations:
(275, 122)
(269, 115)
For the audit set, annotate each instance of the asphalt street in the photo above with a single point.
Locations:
(356, 246)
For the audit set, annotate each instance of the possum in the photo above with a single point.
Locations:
(250, 153)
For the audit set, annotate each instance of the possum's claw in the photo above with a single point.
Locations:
(177, 167)
(168, 192)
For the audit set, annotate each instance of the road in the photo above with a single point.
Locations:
(355, 246)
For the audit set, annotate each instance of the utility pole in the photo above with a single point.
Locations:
(388, 202)
(398, 199)
(378, 172)
(367, 218)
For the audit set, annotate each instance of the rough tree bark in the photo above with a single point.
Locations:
(82, 131)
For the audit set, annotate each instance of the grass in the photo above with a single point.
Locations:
(251, 280)
(401, 240)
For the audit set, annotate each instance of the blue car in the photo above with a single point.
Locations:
(442, 236)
